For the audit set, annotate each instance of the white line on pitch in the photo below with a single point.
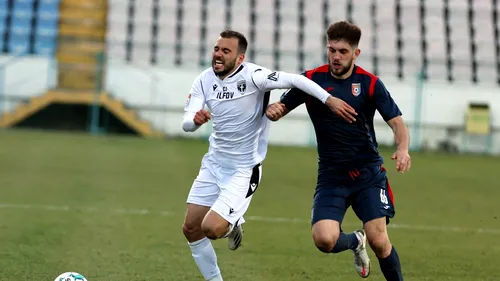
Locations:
(249, 218)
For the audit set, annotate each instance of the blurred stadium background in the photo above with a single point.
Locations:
(111, 207)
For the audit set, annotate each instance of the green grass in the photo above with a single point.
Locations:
(42, 173)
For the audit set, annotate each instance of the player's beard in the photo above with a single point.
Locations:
(341, 69)
(228, 67)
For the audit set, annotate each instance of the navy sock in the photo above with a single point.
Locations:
(391, 267)
(346, 242)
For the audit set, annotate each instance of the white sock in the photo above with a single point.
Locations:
(218, 278)
(204, 256)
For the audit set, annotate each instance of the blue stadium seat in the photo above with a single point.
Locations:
(3, 5)
(4, 9)
(47, 15)
(47, 2)
(46, 28)
(26, 5)
(45, 45)
(22, 14)
(3, 16)
(51, 6)
(2, 29)
(21, 25)
(18, 43)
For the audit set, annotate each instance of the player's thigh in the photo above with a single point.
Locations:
(237, 189)
(375, 201)
(205, 189)
(330, 203)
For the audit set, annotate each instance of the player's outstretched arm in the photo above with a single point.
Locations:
(194, 114)
(389, 110)
(402, 138)
(266, 80)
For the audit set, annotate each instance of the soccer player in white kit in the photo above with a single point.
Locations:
(237, 94)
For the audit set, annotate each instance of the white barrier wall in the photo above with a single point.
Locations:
(442, 105)
(159, 94)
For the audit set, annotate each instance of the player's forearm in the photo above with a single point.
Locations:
(304, 84)
(401, 135)
(188, 124)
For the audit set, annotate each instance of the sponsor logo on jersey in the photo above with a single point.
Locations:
(225, 94)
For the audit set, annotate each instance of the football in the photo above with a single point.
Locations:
(70, 276)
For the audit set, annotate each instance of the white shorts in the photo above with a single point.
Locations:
(228, 191)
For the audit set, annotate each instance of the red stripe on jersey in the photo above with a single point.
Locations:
(309, 74)
(373, 80)
(321, 69)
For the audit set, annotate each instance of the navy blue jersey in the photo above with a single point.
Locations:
(348, 145)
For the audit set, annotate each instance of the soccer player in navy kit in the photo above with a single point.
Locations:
(350, 171)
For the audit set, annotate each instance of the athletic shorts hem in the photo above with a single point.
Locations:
(386, 216)
(336, 218)
(194, 202)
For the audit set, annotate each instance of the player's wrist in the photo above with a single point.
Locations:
(402, 149)
(329, 100)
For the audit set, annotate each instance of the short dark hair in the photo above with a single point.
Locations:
(242, 41)
(346, 31)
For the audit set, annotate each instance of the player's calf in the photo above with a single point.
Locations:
(378, 239)
(201, 248)
(387, 255)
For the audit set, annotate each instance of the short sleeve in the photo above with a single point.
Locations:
(384, 103)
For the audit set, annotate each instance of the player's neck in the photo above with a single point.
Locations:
(345, 75)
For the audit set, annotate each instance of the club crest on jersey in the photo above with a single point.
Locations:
(242, 86)
(356, 89)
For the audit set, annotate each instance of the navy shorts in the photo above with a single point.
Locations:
(366, 189)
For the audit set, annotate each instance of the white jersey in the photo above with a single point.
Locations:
(237, 105)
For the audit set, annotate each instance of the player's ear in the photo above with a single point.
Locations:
(357, 51)
(241, 57)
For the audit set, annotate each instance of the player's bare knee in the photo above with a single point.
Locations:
(324, 245)
(214, 231)
(325, 234)
(325, 241)
(192, 231)
(214, 226)
(210, 232)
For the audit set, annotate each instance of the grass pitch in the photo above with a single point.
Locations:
(111, 208)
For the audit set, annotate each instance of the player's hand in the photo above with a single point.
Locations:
(403, 160)
(201, 117)
(341, 108)
(275, 111)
